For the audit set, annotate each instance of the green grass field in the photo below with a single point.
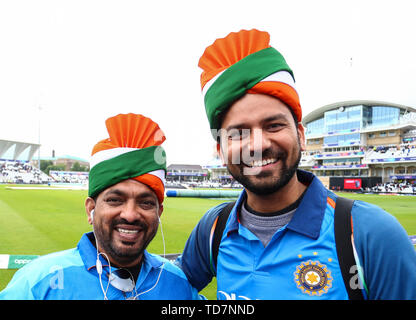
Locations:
(44, 221)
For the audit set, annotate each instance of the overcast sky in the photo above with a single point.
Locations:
(69, 65)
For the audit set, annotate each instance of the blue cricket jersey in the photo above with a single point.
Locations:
(301, 262)
(72, 275)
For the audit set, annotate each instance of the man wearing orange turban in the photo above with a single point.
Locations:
(287, 236)
(126, 192)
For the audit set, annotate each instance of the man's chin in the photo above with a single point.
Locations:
(126, 252)
(262, 188)
(266, 182)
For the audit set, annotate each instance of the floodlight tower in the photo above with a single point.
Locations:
(39, 108)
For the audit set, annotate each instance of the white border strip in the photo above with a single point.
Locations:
(4, 261)
(160, 174)
(211, 82)
(280, 76)
(103, 155)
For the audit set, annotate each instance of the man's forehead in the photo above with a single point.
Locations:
(252, 106)
(131, 188)
(236, 124)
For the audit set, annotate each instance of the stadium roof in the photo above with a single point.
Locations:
(184, 167)
(318, 112)
(16, 150)
(215, 163)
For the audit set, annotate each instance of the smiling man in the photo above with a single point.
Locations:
(276, 138)
(125, 221)
(124, 205)
(286, 237)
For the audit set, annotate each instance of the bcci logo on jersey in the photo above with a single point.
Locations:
(313, 278)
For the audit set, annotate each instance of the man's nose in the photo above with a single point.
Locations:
(130, 212)
(258, 142)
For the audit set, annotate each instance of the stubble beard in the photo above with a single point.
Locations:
(126, 254)
(266, 183)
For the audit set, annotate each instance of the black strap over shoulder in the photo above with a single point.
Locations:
(219, 229)
(343, 241)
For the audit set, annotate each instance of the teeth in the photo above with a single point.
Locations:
(127, 231)
(260, 163)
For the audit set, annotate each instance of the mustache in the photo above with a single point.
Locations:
(267, 154)
(135, 223)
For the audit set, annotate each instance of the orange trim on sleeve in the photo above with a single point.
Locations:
(331, 202)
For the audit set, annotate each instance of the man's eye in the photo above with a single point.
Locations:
(113, 200)
(148, 204)
(238, 134)
(274, 126)
(234, 136)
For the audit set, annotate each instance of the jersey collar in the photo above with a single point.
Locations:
(308, 217)
(88, 254)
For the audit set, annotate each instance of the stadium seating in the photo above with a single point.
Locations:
(70, 177)
(391, 187)
(383, 152)
(21, 172)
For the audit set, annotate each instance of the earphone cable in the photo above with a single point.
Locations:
(161, 269)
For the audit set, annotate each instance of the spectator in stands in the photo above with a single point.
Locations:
(278, 240)
(126, 192)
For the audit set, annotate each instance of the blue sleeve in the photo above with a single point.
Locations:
(18, 288)
(195, 259)
(385, 253)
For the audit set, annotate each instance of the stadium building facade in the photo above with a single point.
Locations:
(186, 173)
(66, 160)
(361, 139)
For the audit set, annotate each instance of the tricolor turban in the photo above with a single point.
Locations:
(244, 62)
(132, 151)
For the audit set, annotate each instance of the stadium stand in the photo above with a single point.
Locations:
(391, 187)
(363, 139)
(21, 172)
(186, 173)
(69, 176)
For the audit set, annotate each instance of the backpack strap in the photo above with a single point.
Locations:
(219, 229)
(343, 240)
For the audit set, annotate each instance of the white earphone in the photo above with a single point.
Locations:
(163, 265)
(98, 264)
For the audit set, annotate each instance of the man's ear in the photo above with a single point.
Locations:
(160, 210)
(301, 135)
(220, 154)
(89, 206)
